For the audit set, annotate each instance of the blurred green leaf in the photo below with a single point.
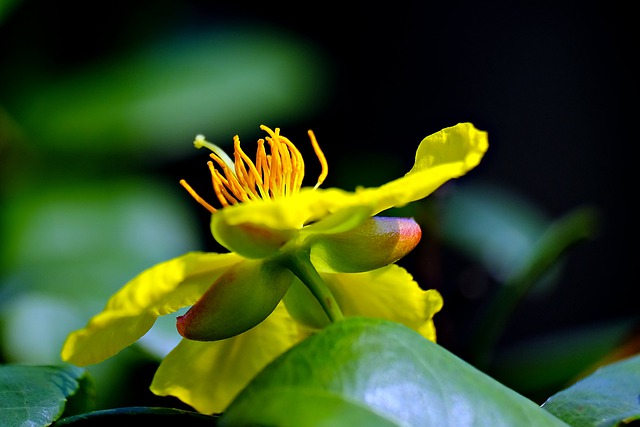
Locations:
(548, 250)
(81, 238)
(69, 246)
(6, 7)
(377, 373)
(562, 234)
(550, 362)
(35, 395)
(608, 397)
(160, 97)
(34, 325)
(491, 225)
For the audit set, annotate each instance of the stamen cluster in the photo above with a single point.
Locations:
(277, 174)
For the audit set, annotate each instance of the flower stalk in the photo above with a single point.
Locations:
(299, 263)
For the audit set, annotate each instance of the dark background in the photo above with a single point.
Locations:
(554, 84)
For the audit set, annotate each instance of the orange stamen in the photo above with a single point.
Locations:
(321, 157)
(274, 175)
(197, 197)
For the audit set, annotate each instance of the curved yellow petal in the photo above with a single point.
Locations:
(444, 155)
(208, 375)
(130, 313)
(461, 145)
(440, 157)
(387, 293)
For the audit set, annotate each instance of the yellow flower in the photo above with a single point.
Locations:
(300, 257)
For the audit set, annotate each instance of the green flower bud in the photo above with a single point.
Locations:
(239, 300)
(375, 243)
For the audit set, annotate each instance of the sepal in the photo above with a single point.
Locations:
(249, 239)
(304, 307)
(239, 300)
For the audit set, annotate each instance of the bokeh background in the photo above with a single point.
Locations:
(100, 103)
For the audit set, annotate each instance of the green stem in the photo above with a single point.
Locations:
(299, 262)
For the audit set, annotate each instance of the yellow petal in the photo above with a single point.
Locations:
(291, 212)
(130, 313)
(462, 145)
(338, 222)
(386, 293)
(208, 375)
(440, 157)
(444, 155)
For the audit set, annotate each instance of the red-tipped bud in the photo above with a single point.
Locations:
(240, 299)
(375, 243)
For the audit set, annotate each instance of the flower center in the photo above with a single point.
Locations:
(273, 175)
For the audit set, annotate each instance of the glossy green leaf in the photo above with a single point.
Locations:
(608, 397)
(139, 416)
(378, 373)
(35, 395)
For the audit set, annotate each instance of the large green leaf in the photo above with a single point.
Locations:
(378, 373)
(35, 395)
(608, 397)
